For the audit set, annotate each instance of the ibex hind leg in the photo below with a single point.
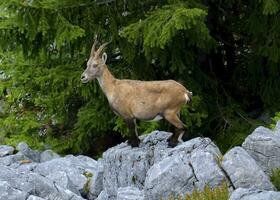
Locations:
(179, 129)
(133, 139)
(176, 137)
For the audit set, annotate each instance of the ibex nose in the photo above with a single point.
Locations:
(84, 78)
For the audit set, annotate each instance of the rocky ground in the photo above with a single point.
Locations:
(150, 172)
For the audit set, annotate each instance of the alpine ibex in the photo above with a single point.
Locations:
(143, 100)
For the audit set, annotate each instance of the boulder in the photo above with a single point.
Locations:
(33, 184)
(61, 178)
(171, 176)
(48, 155)
(153, 167)
(243, 171)
(13, 159)
(87, 161)
(16, 179)
(254, 194)
(6, 150)
(205, 166)
(7, 192)
(130, 193)
(43, 187)
(63, 194)
(73, 168)
(125, 166)
(24, 149)
(22, 146)
(264, 146)
(191, 165)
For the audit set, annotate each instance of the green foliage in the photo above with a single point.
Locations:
(162, 25)
(275, 178)
(275, 119)
(219, 193)
(234, 127)
(270, 7)
(193, 114)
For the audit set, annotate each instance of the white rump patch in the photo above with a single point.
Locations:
(187, 97)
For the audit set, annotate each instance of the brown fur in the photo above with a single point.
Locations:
(143, 100)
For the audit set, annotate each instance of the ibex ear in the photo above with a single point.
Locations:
(104, 58)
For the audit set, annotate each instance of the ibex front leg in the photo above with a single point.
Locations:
(133, 140)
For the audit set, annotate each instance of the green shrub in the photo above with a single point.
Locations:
(275, 119)
(275, 178)
(219, 193)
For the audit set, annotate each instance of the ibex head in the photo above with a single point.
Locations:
(95, 63)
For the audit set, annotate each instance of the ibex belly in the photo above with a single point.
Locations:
(146, 112)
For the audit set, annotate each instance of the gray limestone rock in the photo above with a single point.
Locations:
(264, 146)
(13, 159)
(6, 150)
(103, 196)
(22, 146)
(130, 193)
(243, 171)
(7, 192)
(191, 165)
(16, 179)
(150, 172)
(35, 184)
(61, 178)
(147, 166)
(87, 161)
(253, 194)
(206, 168)
(48, 155)
(171, 176)
(71, 165)
(25, 167)
(29, 153)
(125, 166)
(32, 197)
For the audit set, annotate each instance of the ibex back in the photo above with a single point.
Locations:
(143, 100)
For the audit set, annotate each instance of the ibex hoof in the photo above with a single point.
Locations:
(171, 143)
(134, 142)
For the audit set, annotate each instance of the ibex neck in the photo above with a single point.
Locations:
(106, 82)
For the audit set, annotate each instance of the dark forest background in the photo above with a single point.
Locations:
(226, 52)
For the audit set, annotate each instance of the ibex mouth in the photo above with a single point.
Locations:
(84, 80)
